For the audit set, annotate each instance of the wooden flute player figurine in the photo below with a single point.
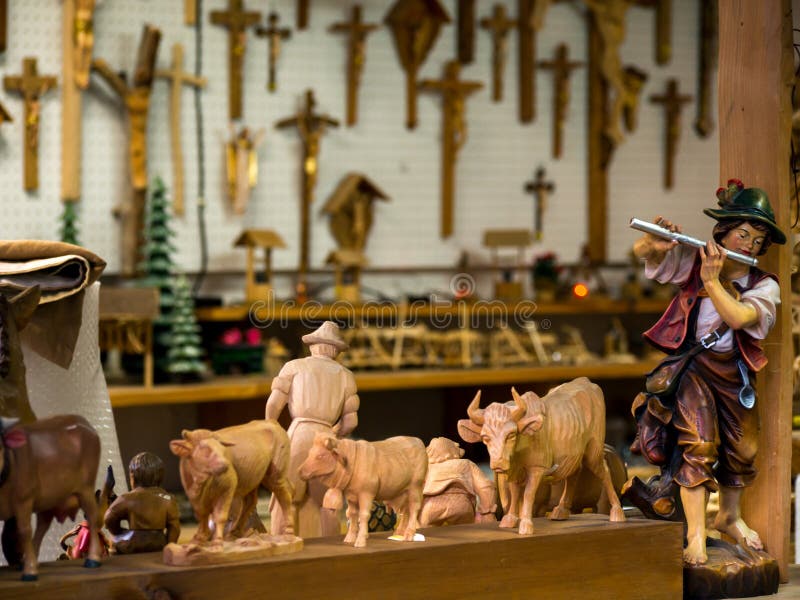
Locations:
(697, 418)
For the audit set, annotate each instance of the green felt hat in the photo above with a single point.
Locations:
(750, 204)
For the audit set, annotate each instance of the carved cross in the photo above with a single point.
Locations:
(177, 78)
(136, 100)
(83, 40)
(357, 32)
(562, 68)
(311, 127)
(708, 42)
(499, 26)
(3, 24)
(541, 189)
(530, 18)
(465, 31)
(274, 35)
(673, 104)
(237, 20)
(242, 166)
(31, 86)
(454, 131)
(302, 14)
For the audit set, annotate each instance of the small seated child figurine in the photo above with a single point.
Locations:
(151, 512)
(452, 486)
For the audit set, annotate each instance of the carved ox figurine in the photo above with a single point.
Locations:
(48, 468)
(532, 437)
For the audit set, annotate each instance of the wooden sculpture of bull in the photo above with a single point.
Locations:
(532, 437)
(225, 468)
(47, 468)
(392, 470)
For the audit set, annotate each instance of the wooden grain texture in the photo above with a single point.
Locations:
(755, 77)
(599, 151)
(584, 557)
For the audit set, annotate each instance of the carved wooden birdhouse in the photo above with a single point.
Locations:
(350, 207)
(259, 282)
(347, 264)
(508, 285)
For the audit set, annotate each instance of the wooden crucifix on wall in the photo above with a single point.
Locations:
(454, 131)
(3, 24)
(237, 20)
(561, 68)
(357, 32)
(498, 26)
(177, 78)
(672, 102)
(31, 86)
(311, 127)
(415, 25)
(241, 160)
(465, 31)
(541, 190)
(530, 18)
(136, 100)
(275, 35)
(302, 14)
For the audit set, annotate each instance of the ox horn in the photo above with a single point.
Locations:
(474, 411)
(521, 409)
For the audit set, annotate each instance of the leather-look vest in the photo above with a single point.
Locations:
(670, 331)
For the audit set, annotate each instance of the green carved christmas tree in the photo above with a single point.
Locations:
(69, 227)
(184, 357)
(158, 266)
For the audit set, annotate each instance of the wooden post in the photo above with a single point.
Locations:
(3, 24)
(454, 132)
(31, 86)
(177, 78)
(237, 20)
(275, 35)
(70, 110)
(499, 26)
(302, 14)
(357, 32)
(189, 12)
(465, 31)
(673, 103)
(561, 67)
(527, 61)
(663, 31)
(707, 60)
(599, 151)
(755, 80)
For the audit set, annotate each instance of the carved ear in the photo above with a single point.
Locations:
(469, 431)
(181, 447)
(23, 306)
(330, 443)
(531, 425)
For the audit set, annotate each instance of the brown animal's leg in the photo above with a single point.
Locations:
(30, 569)
(90, 510)
(221, 512)
(511, 518)
(526, 516)
(352, 520)
(281, 489)
(248, 505)
(413, 505)
(43, 521)
(203, 533)
(364, 506)
(563, 509)
(599, 467)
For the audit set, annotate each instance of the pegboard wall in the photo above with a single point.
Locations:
(500, 155)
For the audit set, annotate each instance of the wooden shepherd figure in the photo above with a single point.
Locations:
(311, 127)
(499, 26)
(673, 104)
(357, 32)
(136, 99)
(31, 86)
(415, 25)
(454, 131)
(541, 189)
(237, 20)
(275, 35)
(561, 68)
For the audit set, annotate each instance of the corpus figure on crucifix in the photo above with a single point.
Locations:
(672, 102)
(275, 35)
(561, 67)
(242, 166)
(499, 26)
(540, 188)
(311, 128)
(454, 131)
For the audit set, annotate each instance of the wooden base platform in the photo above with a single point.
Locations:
(585, 556)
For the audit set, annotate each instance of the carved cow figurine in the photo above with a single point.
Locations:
(225, 468)
(47, 468)
(392, 470)
(532, 437)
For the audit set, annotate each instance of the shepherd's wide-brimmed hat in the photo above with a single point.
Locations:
(328, 333)
(751, 204)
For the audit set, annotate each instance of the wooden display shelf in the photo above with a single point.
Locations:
(229, 388)
(313, 311)
(585, 556)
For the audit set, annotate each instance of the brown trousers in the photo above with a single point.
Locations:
(718, 437)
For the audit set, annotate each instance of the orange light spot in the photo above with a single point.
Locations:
(579, 290)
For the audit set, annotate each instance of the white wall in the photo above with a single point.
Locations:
(499, 157)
